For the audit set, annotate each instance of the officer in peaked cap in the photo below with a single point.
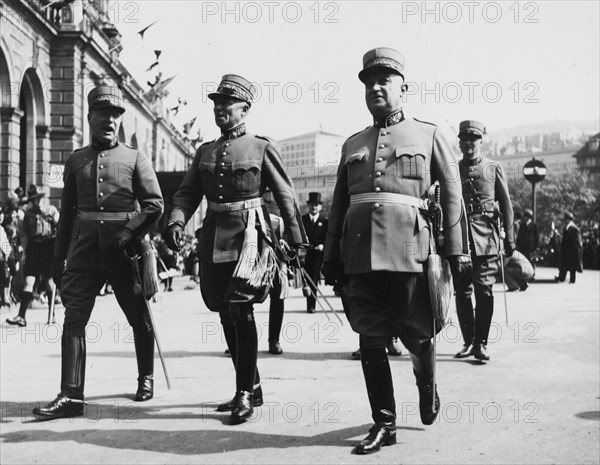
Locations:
(378, 239)
(102, 183)
(315, 225)
(233, 172)
(483, 187)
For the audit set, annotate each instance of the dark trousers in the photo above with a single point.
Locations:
(562, 275)
(312, 265)
(276, 307)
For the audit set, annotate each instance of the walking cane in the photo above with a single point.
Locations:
(500, 249)
(52, 306)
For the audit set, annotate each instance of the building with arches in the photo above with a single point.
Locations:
(51, 55)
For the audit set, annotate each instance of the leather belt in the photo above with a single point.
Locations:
(105, 216)
(488, 207)
(234, 206)
(389, 197)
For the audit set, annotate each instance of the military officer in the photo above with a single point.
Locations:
(39, 232)
(232, 172)
(487, 201)
(102, 183)
(378, 239)
(315, 225)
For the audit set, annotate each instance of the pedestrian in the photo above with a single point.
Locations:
(570, 251)
(378, 239)
(103, 182)
(6, 255)
(487, 202)
(39, 232)
(315, 225)
(235, 247)
(527, 237)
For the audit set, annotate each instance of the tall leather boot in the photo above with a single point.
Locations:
(378, 378)
(466, 320)
(144, 353)
(69, 403)
(19, 320)
(423, 365)
(275, 323)
(483, 321)
(246, 358)
(230, 339)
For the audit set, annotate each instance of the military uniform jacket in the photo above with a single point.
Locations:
(403, 158)
(109, 180)
(232, 169)
(483, 184)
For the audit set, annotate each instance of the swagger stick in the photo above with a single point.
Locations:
(52, 306)
(500, 250)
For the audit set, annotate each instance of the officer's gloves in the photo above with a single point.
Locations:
(122, 239)
(173, 236)
(461, 267)
(333, 272)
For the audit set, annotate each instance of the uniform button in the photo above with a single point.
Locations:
(379, 159)
(376, 205)
(100, 180)
(101, 166)
(224, 153)
(378, 173)
(220, 197)
(220, 186)
(377, 189)
(101, 194)
(384, 133)
(221, 174)
(381, 146)
(102, 155)
(222, 163)
(101, 208)
(226, 144)
(101, 221)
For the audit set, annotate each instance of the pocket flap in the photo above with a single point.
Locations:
(410, 151)
(207, 166)
(246, 164)
(359, 156)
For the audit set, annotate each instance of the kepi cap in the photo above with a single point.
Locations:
(569, 215)
(235, 86)
(105, 97)
(528, 213)
(314, 197)
(33, 192)
(382, 57)
(471, 128)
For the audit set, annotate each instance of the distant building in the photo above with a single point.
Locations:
(311, 161)
(556, 161)
(51, 55)
(588, 157)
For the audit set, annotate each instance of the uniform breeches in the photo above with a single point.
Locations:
(382, 304)
(79, 290)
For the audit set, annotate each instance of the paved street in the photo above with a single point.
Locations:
(536, 401)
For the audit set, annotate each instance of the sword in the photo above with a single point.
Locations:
(52, 306)
(500, 248)
(135, 260)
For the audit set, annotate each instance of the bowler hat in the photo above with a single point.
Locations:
(382, 57)
(471, 128)
(569, 215)
(528, 213)
(314, 197)
(105, 97)
(34, 192)
(235, 86)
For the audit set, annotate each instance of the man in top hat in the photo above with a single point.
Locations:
(488, 205)
(39, 231)
(99, 219)
(315, 225)
(570, 251)
(527, 237)
(378, 239)
(235, 246)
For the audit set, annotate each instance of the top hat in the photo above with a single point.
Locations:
(314, 197)
(105, 97)
(235, 86)
(382, 57)
(33, 192)
(470, 128)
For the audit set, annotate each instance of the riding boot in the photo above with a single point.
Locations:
(423, 366)
(380, 388)
(483, 321)
(143, 338)
(69, 402)
(466, 319)
(275, 323)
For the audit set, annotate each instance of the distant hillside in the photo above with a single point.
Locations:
(575, 128)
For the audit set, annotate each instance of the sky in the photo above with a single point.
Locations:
(505, 63)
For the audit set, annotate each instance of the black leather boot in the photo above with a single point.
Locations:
(429, 401)
(69, 402)
(275, 323)
(378, 379)
(19, 320)
(466, 320)
(144, 352)
(483, 321)
(257, 401)
(242, 407)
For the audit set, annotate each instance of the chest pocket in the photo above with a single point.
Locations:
(410, 162)
(355, 165)
(246, 175)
